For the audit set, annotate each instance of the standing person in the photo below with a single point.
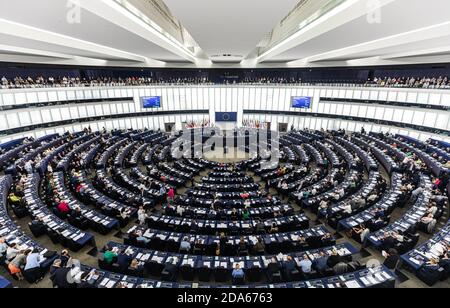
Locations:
(162, 192)
(267, 186)
(237, 273)
(142, 215)
(15, 265)
(32, 268)
(170, 195)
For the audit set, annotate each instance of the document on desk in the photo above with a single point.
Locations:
(104, 282)
(365, 281)
(372, 280)
(386, 275)
(353, 284)
(52, 224)
(379, 277)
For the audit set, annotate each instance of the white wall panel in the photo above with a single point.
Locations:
(227, 98)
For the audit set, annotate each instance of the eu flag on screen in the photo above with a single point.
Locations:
(226, 116)
(303, 102)
(151, 102)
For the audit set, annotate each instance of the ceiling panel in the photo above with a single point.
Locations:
(229, 26)
(398, 17)
(91, 27)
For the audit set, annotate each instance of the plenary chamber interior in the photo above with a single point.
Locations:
(224, 145)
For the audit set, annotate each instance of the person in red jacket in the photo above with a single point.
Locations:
(63, 207)
(171, 195)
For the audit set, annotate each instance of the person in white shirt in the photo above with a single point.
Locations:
(399, 237)
(29, 167)
(323, 204)
(347, 208)
(162, 191)
(3, 247)
(372, 197)
(341, 193)
(439, 249)
(32, 268)
(305, 264)
(180, 211)
(432, 209)
(142, 215)
(416, 193)
(12, 251)
(363, 232)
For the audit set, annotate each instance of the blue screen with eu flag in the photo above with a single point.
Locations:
(303, 102)
(151, 101)
(226, 116)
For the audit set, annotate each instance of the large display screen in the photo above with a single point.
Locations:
(226, 116)
(303, 102)
(151, 101)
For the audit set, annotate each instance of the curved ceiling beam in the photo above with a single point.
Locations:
(342, 14)
(34, 34)
(431, 32)
(119, 15)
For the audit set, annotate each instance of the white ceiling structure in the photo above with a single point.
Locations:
(229, 27)
(225, 33)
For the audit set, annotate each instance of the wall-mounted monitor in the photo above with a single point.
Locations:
(302, 102)
(151, 101)
(226, 116)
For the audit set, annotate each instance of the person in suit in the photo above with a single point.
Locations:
(259, 247)
(123, 260)
(392, 259)
(194, 227)
(288, 267)
(37, 226)
(272, 268)
(273, 229)
(171, 268)
(320, 263)
(430, 271)
(233, 229)
(223, 240)
(388, 242)
(234, 214)
(260, 228)
(59, 274)
(242, 248)
(334, 259)
(65, 257)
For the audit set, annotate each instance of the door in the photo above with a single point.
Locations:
(283, 127)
